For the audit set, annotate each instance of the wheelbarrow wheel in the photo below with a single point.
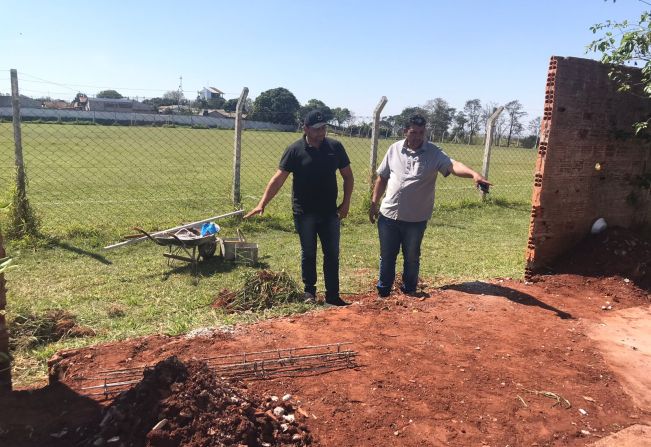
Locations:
(207, 250)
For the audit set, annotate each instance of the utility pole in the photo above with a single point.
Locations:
(180, 91)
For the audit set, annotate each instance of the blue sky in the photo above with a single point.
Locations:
(345, 53)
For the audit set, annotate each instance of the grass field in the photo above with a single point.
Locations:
(91, 183)
(106, 179)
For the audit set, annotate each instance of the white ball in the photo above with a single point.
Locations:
(598, 226)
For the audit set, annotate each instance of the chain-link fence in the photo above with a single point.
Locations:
(109, 171)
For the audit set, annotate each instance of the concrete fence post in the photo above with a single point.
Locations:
(489, 142)
(21, 188)
(374, 139)
(237, 148)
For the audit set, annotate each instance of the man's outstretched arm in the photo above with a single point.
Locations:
(270, 192)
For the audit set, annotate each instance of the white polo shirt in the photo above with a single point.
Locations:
(412, 176)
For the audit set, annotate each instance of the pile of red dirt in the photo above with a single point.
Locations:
(185, 404)
(478, 363)
(616, 251)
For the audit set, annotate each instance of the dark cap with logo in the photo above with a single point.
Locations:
(314, 119)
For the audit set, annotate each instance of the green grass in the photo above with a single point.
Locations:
(90, 184)
(106, 179)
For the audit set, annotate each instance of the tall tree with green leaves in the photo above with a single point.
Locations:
(230, 105)
(277, 105)
(472, 111)
(626, 44)
(341, 115)
(408, 112)
(514, 113)
(110, 94)
(314, 104)
(459, 126)
(440, 116)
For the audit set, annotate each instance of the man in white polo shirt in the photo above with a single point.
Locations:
(408, 176)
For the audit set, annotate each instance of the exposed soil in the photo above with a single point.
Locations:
(482, 363)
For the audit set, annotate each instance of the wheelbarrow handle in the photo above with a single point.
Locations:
(154, 239)
(145, 233)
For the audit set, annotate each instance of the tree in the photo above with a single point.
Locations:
(277, 105)
(514, 113)
(231, 105)
(173, 97)
(402, 119)
(472, 110)
(440, 116)
(155, 102)
(388, 123)
(216, 103)
(629, 44)
(341, 116)
(534, 126)
(486, 111)
(458, 130)
(314, 104)
(112, 94)
(500, 128)
(531, 140)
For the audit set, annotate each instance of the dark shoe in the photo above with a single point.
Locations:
(383, 293)
(336, 301)
(416, 294)
(309, 298)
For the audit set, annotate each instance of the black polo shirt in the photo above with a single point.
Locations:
(314, 184)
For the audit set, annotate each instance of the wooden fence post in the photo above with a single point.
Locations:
(374, 139)
(237, 149)
(489, 142)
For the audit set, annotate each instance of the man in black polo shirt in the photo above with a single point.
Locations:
(314, 161)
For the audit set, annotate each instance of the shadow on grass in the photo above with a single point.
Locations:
(499, 202)
(482, 288)
(208, 267)
(80, 251)
(434, 222)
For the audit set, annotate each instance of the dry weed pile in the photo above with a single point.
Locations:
(261, 289)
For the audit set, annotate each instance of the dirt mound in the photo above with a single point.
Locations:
(616, 251)
(178, 404)
(479, 363)
(53, 325)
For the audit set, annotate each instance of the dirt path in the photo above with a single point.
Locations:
(472, 364)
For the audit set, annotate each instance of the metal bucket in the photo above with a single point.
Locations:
(238, 250)
(246, 253)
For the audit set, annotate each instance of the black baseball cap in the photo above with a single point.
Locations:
(314, 119)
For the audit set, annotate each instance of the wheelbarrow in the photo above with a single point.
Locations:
(185, 245)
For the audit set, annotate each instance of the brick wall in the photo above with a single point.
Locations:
(588, 159)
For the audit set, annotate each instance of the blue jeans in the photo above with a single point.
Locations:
(393, 235)
(308, 227)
